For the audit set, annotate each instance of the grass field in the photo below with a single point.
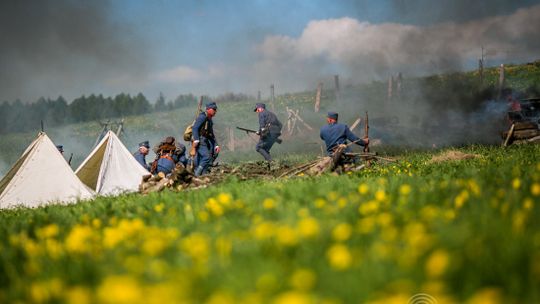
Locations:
(458, 230)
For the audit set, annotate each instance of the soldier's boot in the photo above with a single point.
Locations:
(199, 171)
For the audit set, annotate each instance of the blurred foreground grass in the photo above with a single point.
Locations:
(460, 231)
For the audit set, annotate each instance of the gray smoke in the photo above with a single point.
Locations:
(63, 47)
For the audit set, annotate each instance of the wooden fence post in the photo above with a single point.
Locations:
(318, 97)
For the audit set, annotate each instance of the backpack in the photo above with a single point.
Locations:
(188, 132)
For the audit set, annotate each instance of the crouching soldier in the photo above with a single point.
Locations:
(204, 140)
(269, 130)
(335, 134)
(169, 152)
(140, 155)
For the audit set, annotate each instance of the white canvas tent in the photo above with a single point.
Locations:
(41, 176)
(110, 168)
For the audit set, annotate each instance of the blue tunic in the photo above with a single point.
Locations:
(337, 134)
(141, 159)
(203, 131)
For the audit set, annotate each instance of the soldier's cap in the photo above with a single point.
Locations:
(211, 105)
(333, 115)
(145, 144)
(60, 148)
(259, 105)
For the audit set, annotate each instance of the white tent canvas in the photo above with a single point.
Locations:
(110, 168)
(41, 176)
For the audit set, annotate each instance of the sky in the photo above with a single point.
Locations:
(73, 48)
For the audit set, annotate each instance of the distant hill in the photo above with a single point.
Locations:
(438, 110)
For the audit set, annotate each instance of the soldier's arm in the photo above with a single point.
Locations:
(262, 120)
(353, 138)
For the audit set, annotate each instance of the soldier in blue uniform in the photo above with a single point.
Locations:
(269, 130)
(140, 155)
(335, 134)
(169, 152)
(204, 139)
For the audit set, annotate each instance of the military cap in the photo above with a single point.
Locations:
(60, 148)
(332, 115)
(211, 105)
(145, 144)
(259, 105)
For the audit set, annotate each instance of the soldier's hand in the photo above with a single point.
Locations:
(258, 132)
(366, 141)
(217, 149)
(195, 143)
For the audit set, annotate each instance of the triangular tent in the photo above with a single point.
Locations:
(41, 176)
(111, 169)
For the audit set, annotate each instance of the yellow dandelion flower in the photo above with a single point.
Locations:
(293, 297)
(528, 204)
(342, 232)
(339, 257)
(320, 203)
(303, 279)
(516, 183)
(486, 296)
(78, 295)
(405, 189)
(308, 227)
(380, 195)
(269, 203)
(437, 263)
(363, 189)
(535, 189)
(462, 197)
(159, 207)
(79, 238)
(366, 225)
(224, 198)
(214, 207)
(48, 231)
(119, 289)
(264, 230)
(286, 236)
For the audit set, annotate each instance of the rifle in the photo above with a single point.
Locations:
(278, 140)
(366, 135)
(70, 158)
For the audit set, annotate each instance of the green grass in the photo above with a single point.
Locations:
(464, 230)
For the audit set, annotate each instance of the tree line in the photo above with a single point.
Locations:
(21, 117)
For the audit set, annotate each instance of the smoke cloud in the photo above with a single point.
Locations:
(64, 47)
(364, 51)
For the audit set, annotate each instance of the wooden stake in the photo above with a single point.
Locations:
(510, 133)
(355, 123)
(318, 97)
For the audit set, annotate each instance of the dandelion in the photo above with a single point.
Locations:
(308, 227)
(48, 231)
(437, 263)
(486, 296)
(339, 257)
(286, 236)
(303, 279)
(342, 232)
(462, 197)
(79, 238)
(119, 289)
(78, 295)
(380, 195)
(264, 230)
(159, 207)
(405, 189)
(203, 216)
(516, 183)
(528, 204)
(214, 207)
(363, 189)
(269, 203)
(293, 297)
(535, 189)
(224, 198)
(320, 203)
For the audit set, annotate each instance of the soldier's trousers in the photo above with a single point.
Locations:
(204, 157)
(265, 144)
